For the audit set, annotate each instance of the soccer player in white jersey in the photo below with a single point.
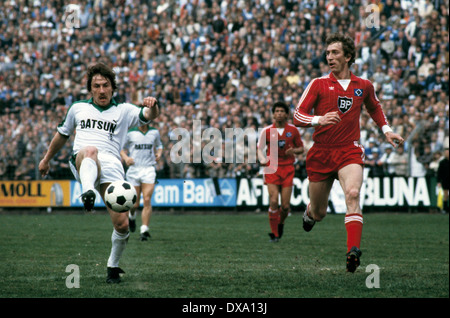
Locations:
(144, 150)
(101, 126)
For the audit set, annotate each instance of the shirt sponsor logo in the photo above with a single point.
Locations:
(345, 103)
(98, 124)
(143, 146)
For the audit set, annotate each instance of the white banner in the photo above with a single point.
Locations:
(375, 192)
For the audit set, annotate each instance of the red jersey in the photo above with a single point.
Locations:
(290, 138)
(325, 94)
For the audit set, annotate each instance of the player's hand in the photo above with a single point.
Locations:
(263, 161)
(152, 108)
(129, 161)
(149, 102)
(290, 151)
(44, 168)
(331, 118)
(394, 139)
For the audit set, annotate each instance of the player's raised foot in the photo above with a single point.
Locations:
(308, 222)
(144, 236)
(273, 238)
(353, 257)
(132, 224)
(113, 275)
(88, 199)
(280, 230)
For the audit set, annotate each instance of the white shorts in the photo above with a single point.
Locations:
(111, 169)
(136, 175)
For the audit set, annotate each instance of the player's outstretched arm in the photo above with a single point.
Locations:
(152, 110)
(56, 144)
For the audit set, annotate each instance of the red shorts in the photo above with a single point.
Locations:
(324, 161)
(284, 176)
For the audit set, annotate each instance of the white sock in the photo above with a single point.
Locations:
(119, 242)
(88, 174)
(132, 216)
(144, 228)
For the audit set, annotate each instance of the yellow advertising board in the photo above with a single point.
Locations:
(36, 193)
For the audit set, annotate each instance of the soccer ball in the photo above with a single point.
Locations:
(120, 196)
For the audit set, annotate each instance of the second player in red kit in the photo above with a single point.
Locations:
(279, 181)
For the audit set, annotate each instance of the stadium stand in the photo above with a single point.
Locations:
(221, 62)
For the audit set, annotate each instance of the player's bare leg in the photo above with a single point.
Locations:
(119, 239)
(351, 179)
(318, 205)
(147, 192)
(274, 213)
(285, 208)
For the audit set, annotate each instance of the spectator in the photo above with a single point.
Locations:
(417, 167)
(399, 160)
(442, 177)
(184, 58)
(375, 165)
(425, 159)
(25, 170)
(434, 164)
(385, 158)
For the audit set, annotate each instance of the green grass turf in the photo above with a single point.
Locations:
(224, 255)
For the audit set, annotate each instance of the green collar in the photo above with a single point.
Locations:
(100, 108)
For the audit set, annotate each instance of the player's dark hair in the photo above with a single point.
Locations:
(348, 45)
(281, 105)
(104, 71)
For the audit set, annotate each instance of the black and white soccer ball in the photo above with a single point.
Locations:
(120, 196)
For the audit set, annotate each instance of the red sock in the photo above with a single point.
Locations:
(353, 225)
(274, 220)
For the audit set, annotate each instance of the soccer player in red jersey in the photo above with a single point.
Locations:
(279, 181)
(337, 100)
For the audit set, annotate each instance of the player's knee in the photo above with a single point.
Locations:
(90, 152)
(122, 225)
(352, 194)
(147, 202)
(273, 204)
(318, 213)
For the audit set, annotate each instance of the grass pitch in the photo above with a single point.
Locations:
(225, 255)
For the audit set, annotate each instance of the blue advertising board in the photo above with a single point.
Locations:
(178, 193)
(194, 192)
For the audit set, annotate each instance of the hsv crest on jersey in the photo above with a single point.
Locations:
(358, 92)
(344, 103)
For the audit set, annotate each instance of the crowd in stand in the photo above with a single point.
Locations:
(222, 63)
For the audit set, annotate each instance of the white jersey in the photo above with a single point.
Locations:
(104, 128)
(141, 146)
